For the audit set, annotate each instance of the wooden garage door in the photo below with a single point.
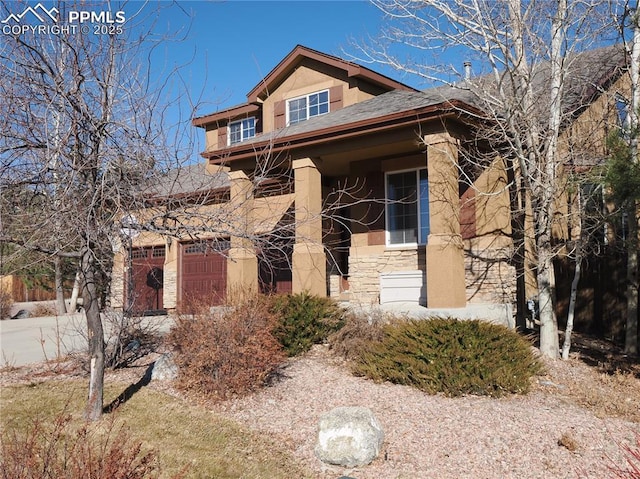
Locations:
(204, 273)
(147, 281)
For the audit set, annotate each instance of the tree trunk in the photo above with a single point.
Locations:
(61, 308)
(93, 410)
(631, 330)
(566, 347)
(549, 343)
(73, 302)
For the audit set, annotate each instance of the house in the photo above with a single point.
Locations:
(345, 183)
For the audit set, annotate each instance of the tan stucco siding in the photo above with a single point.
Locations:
(583, 146)
(116, 298)
(493, 210)
(211, 139)
(303, 81)
(587, 134)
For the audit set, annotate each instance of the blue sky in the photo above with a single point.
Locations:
(234, 44)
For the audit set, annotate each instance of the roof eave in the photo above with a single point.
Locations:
(225, 115)
(340, 132)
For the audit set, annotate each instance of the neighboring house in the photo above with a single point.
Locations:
(367, 183)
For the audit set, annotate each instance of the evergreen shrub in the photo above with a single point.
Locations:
(451, 357)
(305, 320)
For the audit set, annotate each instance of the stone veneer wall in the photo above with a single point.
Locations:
(490, 277)
(170, 287)
(116, 296)
(366, 264)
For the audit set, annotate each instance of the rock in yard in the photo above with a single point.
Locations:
(23, 313)
(349, 437)
(164, 369)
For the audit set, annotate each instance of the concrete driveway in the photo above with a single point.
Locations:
(32, 340)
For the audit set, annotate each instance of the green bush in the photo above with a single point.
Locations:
(452, 357)
(305, 320)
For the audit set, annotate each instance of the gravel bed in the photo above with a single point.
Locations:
(540, 435)
(545, 434)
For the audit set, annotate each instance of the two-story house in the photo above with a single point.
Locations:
(348, 184)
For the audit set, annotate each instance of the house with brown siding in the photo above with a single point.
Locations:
(367, 183)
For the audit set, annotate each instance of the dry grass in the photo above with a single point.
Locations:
(598, 377)
(181, 434)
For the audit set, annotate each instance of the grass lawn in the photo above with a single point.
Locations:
(181, 434)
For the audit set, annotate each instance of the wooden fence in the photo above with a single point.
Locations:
(19, 291)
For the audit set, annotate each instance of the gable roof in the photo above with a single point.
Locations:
(299, 53)
(285, 68)
(589, 73)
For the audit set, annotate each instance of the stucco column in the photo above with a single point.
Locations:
(445, 253)
(309, 259)
(242, 263)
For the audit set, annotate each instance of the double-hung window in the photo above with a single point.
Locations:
(305, 107)
(407, 210)
(242, 130)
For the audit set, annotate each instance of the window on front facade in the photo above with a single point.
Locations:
(407, 207)
(622, 108)
(242, 130)
(308, 106)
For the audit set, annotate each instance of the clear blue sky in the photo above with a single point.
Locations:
(234, 44)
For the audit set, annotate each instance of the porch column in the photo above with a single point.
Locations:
(242, 263)
(309, 259)
(445, 253)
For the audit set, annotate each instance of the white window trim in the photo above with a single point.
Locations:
(289, 100)
(387, 233)
(241, 137)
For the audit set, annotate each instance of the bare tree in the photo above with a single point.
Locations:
(85, 145)
(82, 133)
(526, 52)
(632, 45)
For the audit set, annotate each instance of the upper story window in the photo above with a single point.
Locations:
(622, 107)
(305, 107)
(407, 210)
(242, 130)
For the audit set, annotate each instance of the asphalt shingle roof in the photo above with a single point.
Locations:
(188, 179)
(586, 73)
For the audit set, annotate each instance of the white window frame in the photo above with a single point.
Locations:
(308, 107)
(245, 133)
(419, 212)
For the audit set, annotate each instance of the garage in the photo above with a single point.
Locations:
(147, 279)
(203, 272)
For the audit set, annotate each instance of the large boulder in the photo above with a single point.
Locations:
(164, 369)
(349, 437)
